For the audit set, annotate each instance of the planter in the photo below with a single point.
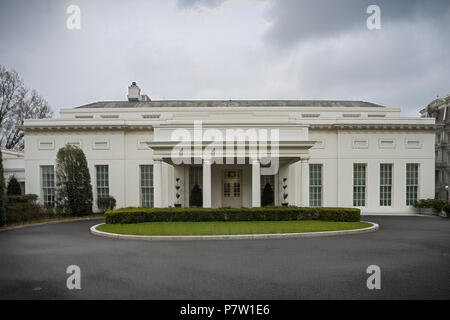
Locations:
(428, 211)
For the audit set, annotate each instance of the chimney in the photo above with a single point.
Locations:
(134, 93)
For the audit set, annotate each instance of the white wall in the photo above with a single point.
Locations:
(336, 152)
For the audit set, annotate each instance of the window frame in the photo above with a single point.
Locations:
(386, 185)
(52, 188)
(144, 188)
(359, 201)
(410, 201)
(102, 187)
(315, 189)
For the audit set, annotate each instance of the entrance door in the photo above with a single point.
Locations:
(232, 189)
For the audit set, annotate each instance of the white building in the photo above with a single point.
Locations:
(331, 153)
(14, 165)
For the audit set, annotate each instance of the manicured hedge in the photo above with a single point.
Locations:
(137, 215)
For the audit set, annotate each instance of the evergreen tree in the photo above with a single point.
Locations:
(267, 196)
(2, 193)
(13, 188)
(74, 190)
(196, 198)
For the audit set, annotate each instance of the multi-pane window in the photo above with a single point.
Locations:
(237, 189)
(48, 185)
(195, 177)
(102, 181)
(359, 185)
(147, 193)
(385, 184)
(412, 183)
(315, 185)
(226, 190)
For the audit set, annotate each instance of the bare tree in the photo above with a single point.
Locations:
(18, 103)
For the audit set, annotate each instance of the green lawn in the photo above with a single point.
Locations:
(224, 228)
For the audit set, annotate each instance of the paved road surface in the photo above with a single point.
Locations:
(412, 252)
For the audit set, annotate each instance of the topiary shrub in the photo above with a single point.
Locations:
(73, 181)
(106, 203)
(267, 196)
(13, 187)
(196, 198)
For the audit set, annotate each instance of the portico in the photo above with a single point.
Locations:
(232, 179)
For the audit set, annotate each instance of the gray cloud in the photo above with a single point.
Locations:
(189, 4)
(228, 53)
(300, 20)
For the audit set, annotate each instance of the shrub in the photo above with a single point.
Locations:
(25, 208)
(106, 203)
(137, 215)
(74, 190)
(435, 204)
(2, 193)
(29, 198)
(13, 187)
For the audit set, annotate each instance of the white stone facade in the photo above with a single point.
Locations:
(134, 140)
(14, 165)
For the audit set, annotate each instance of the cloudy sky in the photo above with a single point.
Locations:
(230, 49)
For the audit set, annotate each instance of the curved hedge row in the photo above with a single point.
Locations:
(137, 215)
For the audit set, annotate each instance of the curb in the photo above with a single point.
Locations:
(21, 226)
(372, 228)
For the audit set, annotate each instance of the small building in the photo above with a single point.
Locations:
(14, 165)
(439, 109)
(316, 153)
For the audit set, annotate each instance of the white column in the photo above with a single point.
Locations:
(305, 182)
(256, 183)
(157, 183)
(206, 184)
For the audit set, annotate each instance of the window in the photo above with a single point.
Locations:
(74, 144)
(385, 185)
(359, 185)
(48, 185)
(351, 115)
(101, 145)
(386, 143)
(46, 145)
(195, 177)
(315, 185)
(226, 190)
(102, 181)
(147, 192)
(360, 143)
(310, 115)
(237, 189)
(413, 144)
(412, 183)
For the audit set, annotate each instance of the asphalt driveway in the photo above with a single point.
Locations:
(412, 252)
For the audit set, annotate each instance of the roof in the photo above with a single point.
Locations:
(231, 103)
